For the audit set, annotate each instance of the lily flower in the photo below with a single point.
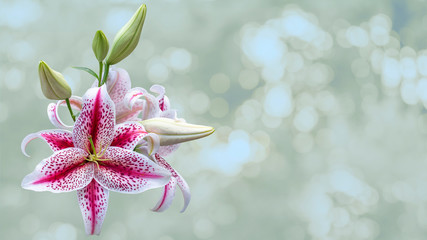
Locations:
(95, 158)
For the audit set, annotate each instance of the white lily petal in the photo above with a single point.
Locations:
(52, 111)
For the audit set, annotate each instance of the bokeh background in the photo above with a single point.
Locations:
(319, 108)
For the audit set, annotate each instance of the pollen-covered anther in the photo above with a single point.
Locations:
(96, 159)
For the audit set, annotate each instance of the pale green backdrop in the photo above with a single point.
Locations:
(319, 108)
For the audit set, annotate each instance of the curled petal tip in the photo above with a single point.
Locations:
(25, 141)
(167, 197)
(183, 209)
(185, 189)
(171, 131)
(23, 151)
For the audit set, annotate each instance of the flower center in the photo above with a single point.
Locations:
(93, 155)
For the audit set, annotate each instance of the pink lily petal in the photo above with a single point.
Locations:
(167, 196)
(133, 95)
(150, 109)
(118, 84)
(57, 139)
(148, 145)
(127, 135)
(167, 150)
(93, 201)
(185, 189)
(169, 114)
(165, 104)
(75, 102)
(150, 106)
(64, 171)
(124, 114)
(52, 111)
(121, 108)
(129, 172)
(96, 120)
(163, 100)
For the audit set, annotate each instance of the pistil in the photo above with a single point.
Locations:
(93, 156)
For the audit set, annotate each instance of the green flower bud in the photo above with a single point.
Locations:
(171, 131)
(54, 85)
(127, 38)
(100, 45)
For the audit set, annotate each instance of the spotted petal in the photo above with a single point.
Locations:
(118, 85)
(64, 171)
(127, 135)
(93, 201)
(56, 139)
(167, 150)
(96, 120)
(129, 172)
(169, 191)
(52, 111)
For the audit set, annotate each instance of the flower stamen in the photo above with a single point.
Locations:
(94, 157)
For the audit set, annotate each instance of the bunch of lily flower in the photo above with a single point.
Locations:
(119, 138)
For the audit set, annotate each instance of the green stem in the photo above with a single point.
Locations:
(100, 73)
(67, 100)
(107, 68)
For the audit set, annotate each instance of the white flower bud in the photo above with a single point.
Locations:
(172, 131)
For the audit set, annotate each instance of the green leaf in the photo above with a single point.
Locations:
(88, 70)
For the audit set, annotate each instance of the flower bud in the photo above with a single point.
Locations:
(53, 84)
(127, 38)
(171, 131)
(100, 45)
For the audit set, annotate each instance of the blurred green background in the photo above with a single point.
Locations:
(319, 108)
